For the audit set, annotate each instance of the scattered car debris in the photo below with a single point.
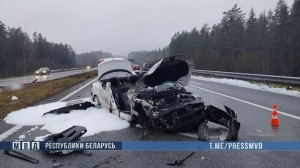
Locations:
(34, 81)
(14, 98)
(88, 153)
(138, 125)
(21, 156)
(179, 162)
(71, 134)
(74, 105)
(21, 137)
(56, 164)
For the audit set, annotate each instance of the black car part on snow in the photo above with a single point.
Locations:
(73, 105)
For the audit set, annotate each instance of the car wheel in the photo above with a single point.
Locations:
(96, 100)
(203, 131)
(233, 131)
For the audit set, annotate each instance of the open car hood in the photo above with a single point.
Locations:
(177, 69)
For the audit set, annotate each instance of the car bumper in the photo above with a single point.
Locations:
(190, 121)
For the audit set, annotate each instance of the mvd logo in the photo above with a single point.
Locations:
(26, 145)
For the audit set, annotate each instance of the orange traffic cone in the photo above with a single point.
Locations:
(274, 120)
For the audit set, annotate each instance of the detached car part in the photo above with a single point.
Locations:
(69, 135)
(179, 162)
(21, 156)
(218, 116)
(73, 105)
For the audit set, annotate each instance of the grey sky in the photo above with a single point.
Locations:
(118, 26)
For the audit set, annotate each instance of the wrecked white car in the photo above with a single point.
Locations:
(157, 99)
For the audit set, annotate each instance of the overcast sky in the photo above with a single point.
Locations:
(118, 26)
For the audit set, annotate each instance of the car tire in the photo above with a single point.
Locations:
(233, 131)
(96, 100)
(203, 131)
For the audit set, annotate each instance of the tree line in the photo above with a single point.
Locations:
(20, 55)
(141, 57)
(265, 44)
(91, 58)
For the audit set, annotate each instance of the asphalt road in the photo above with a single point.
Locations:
(40, 78)
(255, 126)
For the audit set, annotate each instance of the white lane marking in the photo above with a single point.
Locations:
(71, 94)
(192, 135)
(16, 128)
(9, 132)
(256, 105)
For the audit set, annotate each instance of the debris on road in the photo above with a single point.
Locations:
(88, 153)
(71, 134)
(56, 164)
(179, 162)
(21, 156)
(21, 137)
(14, 98)
(138, 125)
(34, 81)
(74, 106)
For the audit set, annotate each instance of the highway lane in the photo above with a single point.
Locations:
(255, 126)
(289, 104)
(39, 78)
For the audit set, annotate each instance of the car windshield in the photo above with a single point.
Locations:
(148, 65)
(42, 69)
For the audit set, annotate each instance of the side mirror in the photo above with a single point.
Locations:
(108, 84)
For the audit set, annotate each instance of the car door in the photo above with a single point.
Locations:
(102, 90)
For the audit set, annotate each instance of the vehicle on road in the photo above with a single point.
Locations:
(43, 71)
(136, 68)
(158, 98)
(146, 67)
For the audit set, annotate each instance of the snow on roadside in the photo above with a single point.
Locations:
(94, 119)
(245, 84)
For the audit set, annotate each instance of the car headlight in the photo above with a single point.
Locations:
(44, 71)
(37, 72)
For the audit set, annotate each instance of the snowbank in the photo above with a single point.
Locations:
(245, 84)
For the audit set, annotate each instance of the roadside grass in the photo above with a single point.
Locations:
(34, 93)
(271, 85)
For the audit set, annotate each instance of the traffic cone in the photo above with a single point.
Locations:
(274, 120)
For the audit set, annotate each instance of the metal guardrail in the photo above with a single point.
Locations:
(287, 80)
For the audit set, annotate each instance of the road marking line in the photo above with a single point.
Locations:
(16, 128)
(9, 132)
(71, 94)
(256, 105)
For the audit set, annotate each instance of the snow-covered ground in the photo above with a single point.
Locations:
(245, 84)
(94, 119)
